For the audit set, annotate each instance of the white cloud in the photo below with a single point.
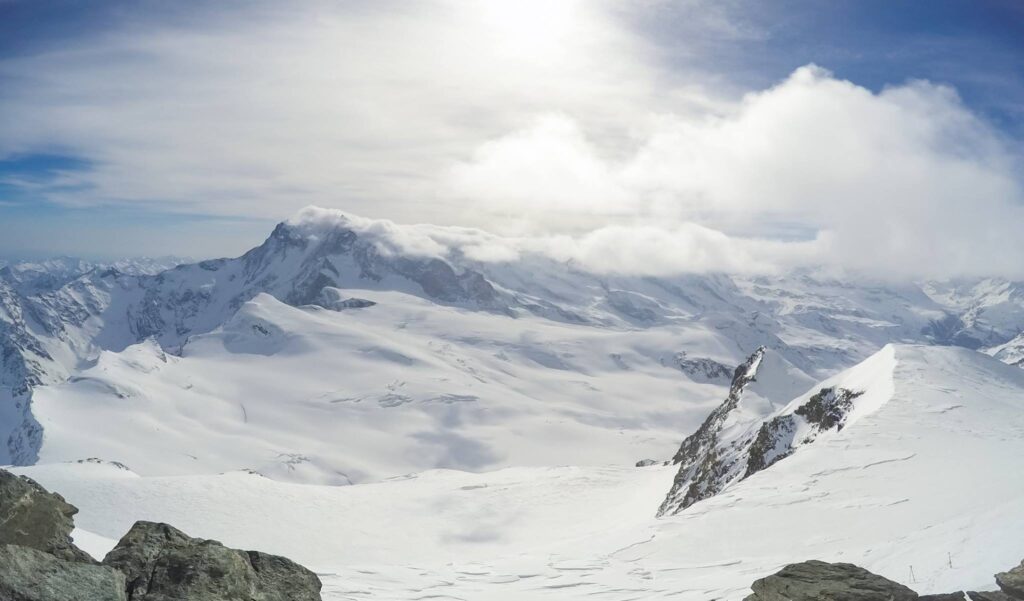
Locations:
(903, 183)
(572, 137)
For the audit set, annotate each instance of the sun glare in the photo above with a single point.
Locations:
(531, 28)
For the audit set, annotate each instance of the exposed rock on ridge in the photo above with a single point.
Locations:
(737, 440)
(715, 455)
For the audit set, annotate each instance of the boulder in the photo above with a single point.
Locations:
(1012, 582)
(989, 596)
(28, 574)
(32, 517)
(957, 596)
(821, 581)
(164, 564)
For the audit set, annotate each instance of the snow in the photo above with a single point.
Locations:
(333, 397)
(466, 426)
(923, 478)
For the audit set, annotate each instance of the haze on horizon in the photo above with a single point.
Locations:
(858, 136)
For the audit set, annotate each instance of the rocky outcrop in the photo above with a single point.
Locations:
(702, 369)
(152, 562)
(160, 562)
(335, 300)
(716, 455)
(28, 574)
(32, 517)
(702, 471)
(989, 596)
(740, 438)
(821, 581)
(777, 437)
(1012, 581)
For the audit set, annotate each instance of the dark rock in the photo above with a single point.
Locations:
(31, 575)
(828, 408)
(821, 581)
(162, 564)
(1012, 582)
(702, 369)
(31, 516)
(281, 579)
(702, 473)
(646, 462)
(989, 596)
(957, 596)
(765, 450)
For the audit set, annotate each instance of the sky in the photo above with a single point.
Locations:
(695, 135)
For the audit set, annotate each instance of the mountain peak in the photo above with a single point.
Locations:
(760, 385)
(313, 219)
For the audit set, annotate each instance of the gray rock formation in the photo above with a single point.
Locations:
(990, 596)
(1012, 581)
(826, 410)
(28, 574)
(701, 474)
(716, 455)
(821, 581)
(162, 563)
(702, 369)
(32, 517)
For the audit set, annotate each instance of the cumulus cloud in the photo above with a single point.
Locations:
(555, 124)
(906, 182)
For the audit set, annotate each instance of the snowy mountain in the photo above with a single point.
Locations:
(1011, 352)
(916, 486)
(484, 322)
(718, 453)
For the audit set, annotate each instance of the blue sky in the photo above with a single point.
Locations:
(133, 128)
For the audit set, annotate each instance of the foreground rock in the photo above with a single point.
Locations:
(32, 517)
(153, 562)
(162, 563)
(989, 596)
(1012, 582)
(28, 574)
(821, 581)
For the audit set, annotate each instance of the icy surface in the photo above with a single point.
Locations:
(924, 476)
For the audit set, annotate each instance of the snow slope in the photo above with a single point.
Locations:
(923, 476)
(312, 395)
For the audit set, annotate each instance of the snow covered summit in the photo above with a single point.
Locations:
(733, 445)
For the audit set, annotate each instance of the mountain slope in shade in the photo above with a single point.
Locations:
(923, 475)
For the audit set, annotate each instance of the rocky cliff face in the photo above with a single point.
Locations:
(717, 453)
(737, 441)
(815, 580)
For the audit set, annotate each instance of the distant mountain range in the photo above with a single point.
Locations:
(62, 320)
